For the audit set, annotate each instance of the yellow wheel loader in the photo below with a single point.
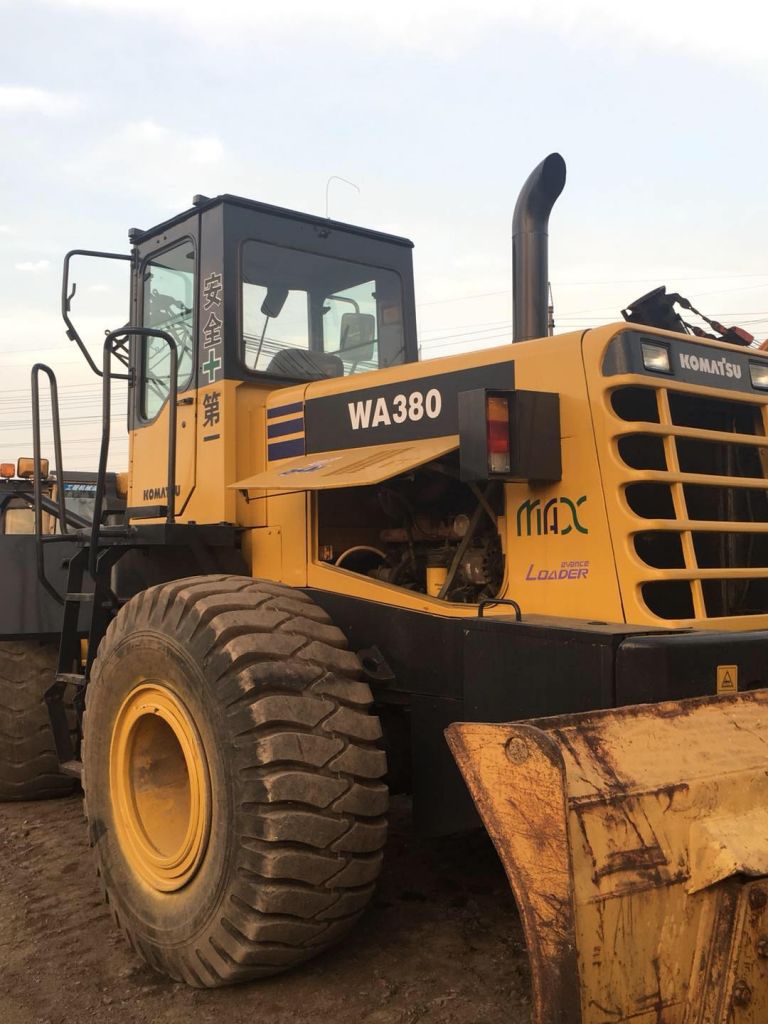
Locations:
(30, 625)
(333, 554)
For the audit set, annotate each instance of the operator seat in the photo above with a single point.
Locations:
(301, 364)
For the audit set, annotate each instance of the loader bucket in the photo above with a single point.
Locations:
(636, 843)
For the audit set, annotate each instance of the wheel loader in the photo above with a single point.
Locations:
(30, 622)
(526, 585)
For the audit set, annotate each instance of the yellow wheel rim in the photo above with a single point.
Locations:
(160, 790)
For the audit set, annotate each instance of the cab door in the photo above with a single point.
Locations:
(165, 298)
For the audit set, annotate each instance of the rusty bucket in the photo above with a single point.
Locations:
(636, 843)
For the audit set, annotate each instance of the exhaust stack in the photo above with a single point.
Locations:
(530, 256)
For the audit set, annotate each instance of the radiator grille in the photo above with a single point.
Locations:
(693, 481)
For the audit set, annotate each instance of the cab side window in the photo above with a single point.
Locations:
(306, 316)
(350, 327)
(274, 319)
(19, 518)
(168, 305)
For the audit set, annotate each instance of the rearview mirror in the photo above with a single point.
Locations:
(358, 331)
(274, 300)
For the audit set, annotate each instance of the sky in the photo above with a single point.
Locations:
(114, 113)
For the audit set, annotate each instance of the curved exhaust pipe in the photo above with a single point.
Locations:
(530, 253)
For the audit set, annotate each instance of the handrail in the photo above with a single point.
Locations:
(37, 369)
(67, 296)
(141, 332)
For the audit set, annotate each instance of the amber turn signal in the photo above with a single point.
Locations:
(26, 468)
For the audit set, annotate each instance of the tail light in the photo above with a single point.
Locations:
(497, 426)
(509, 435)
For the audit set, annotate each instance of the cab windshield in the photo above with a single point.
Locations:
(307, 316)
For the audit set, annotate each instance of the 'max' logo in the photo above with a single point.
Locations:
(714, 367)
(558, 515)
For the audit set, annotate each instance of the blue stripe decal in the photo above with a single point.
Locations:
(285, 449)
(286, 427)
(284, 410)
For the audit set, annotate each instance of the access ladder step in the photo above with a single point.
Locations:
(85, 596)
(74, 768)
(71, 678)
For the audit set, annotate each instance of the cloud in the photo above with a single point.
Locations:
(177, 164)
(197, 149)
(33, 267)
(25, 99)
(5, 229)
(448, 27)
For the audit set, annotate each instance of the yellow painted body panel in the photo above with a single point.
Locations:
(148, 458)
(291, 512)
(569, 547)
(357, 467)
(211, 455)
(568, 573)
(584, 582)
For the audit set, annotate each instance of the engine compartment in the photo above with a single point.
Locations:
(425, 531)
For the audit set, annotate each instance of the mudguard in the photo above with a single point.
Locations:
(636, 843)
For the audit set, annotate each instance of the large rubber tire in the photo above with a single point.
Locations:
(297, 824)
(29, 766)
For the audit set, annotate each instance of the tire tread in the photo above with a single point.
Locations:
(306, 768)
(29, 765)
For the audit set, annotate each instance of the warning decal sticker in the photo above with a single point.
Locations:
(727, 678)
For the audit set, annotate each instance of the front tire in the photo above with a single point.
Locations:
(29, 765)
(232, 778)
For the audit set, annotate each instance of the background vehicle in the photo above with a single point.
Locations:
(315, 556)
(30, 624)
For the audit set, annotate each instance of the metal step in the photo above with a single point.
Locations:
(70, 677)
(74, 768)
(85, 596)
(147, 512)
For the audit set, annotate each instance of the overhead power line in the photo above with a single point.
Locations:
(597, 283)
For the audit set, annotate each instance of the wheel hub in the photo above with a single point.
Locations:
(160, 787)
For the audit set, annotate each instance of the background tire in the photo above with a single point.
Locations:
(29, 766)
(295, 824)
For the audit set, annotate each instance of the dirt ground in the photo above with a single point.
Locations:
(441, 944)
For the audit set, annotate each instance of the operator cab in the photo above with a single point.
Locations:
(252, 292)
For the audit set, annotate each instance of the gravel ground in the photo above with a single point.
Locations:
(441, 944)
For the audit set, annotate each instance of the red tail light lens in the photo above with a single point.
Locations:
(497, 420)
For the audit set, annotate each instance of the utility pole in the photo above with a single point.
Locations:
(550, 311)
